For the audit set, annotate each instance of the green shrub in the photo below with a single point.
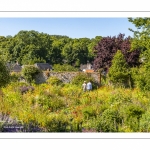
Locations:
(29, 73)
(145, 122)
(52, 103)
(81, 77)
(54, 81)
(15, 76)
(56, 123)
(134, 76)
(109, 121)
(89, 112)
(132, 114)
(142, 79)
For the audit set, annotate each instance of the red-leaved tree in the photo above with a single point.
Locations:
(108, 46)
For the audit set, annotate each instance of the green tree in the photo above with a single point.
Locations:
(91, 45)
(119, 71)
(141, 41)
(67, 53)
(4, 74)
(142, 34)
(76, 52)
(145, 122)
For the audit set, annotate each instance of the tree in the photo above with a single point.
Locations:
(141, 41)
(142, 34)
(119, 70)
(107, 48)
(91, 45)
(75, 52)
(26, 46)
(4, 74)
(55, 51)
(6, 46)
(67, 53)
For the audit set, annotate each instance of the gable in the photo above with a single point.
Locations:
(43, 66)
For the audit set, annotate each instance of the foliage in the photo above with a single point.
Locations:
(109, 121)
(145, 122)
(142, 80)
(28, 47)
(29, 73)
(54, 81)
(140, 75)
(119, 71)
(141, 35)
(133, 115)
(107, 48)
(14, 77)
(4, 74)
(75, 52)
(91, 45)
(68, 109)
(81, 77)
(141, 41)
(64, 67)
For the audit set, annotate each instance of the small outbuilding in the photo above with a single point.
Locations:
(43, 66)
(86, 68)
(14, 67)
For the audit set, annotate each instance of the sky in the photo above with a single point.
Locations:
(72, 27)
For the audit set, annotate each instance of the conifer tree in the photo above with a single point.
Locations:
(119, 70)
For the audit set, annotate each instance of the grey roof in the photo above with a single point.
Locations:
(43, 66)
(14, 67)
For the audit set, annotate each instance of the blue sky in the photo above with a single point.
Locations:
(72, 27)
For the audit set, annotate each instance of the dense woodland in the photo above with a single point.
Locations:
(29, 47)
(120, 104)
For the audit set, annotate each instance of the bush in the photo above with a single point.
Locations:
(15, 76)
(29, 73)
(145, 122)
(134, 76)
(56, 123)
(109, 121)
(142, 79)
(132, 114)
(141, 74)
(81, 77)
(54, 81)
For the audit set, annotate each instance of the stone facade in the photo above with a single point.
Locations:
(66, 77)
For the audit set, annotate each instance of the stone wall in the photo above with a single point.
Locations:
(66, 77)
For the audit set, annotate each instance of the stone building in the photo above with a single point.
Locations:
(43, 66)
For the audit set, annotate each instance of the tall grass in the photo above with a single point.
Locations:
(67, 108)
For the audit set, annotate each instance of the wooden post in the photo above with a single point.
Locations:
(100, 76)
